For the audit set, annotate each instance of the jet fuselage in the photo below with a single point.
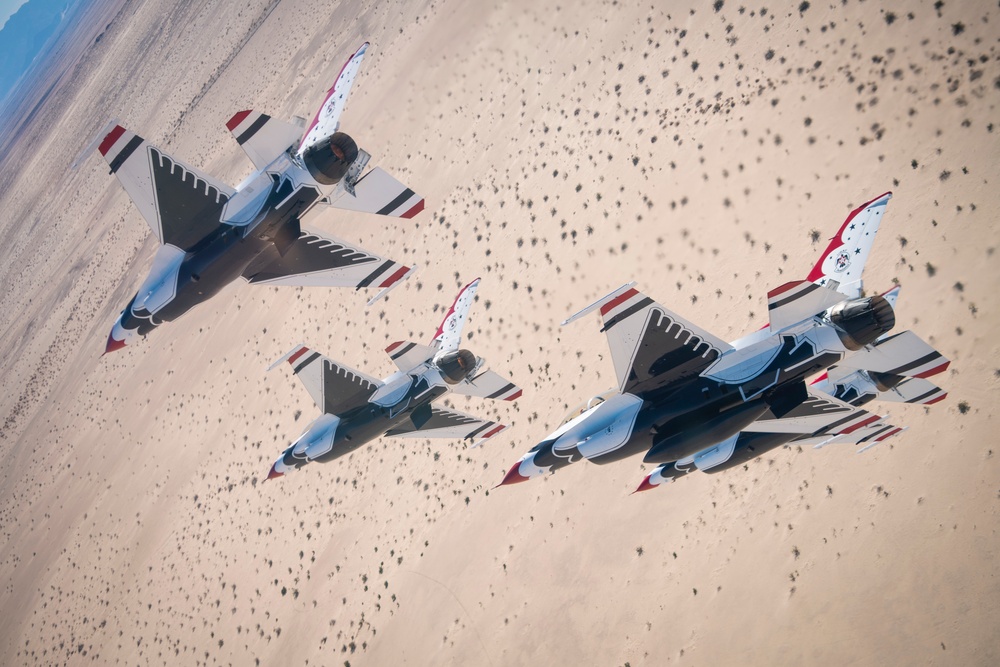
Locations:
(224, 255)
(680, 419)
(366, 422)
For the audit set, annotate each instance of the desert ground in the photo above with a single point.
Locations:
(704, 150)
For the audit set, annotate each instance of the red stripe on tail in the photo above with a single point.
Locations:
(417, 208)
(935, 370)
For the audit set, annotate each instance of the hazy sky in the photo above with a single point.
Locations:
(8, 7)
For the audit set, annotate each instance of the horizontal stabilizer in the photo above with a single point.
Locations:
(914, 390)
(650, 345)
(336, 388)
(262, 138)
(316, 260)
(797, 301)
(488, 385)
(378, 192)
(181, 204)
(903, 354)
(450, 424)
(407, 355)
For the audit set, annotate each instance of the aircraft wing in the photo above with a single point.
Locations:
(262, 138)
(450, 424)
(316, 260)
(650, 345)
(336, 388)
(181, 204)
(819, 414)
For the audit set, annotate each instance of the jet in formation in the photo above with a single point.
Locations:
(210, 234)
(691, 401)
(358, 408)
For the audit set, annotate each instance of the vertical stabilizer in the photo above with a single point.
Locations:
(844, 259)
(449, 334)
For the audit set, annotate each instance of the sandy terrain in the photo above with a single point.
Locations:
(563, 150)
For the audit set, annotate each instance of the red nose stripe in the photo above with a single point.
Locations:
(513, 476)
(644, 485)
(274, 474)
(113, 345)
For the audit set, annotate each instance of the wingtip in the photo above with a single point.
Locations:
(237, 118)
(113, 135)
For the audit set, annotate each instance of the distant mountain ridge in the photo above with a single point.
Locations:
(24, 35)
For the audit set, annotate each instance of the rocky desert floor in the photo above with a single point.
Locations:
(703, 149)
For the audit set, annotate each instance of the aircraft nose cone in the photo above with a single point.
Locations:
(513, 476)
(273, 473)
(645, 485)
(113, 344)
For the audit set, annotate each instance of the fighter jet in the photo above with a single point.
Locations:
(358, 408)
(210, 234)
(844, 388)
(682, 391)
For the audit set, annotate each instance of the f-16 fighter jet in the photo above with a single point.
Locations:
(358, 408)
(843, 388)
(682, 391)
(211, 234)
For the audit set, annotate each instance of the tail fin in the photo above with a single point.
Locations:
(844, 259)
(448, 336)
(327, 118)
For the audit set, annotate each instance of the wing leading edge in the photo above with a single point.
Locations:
(181, 204)
(650, 345)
